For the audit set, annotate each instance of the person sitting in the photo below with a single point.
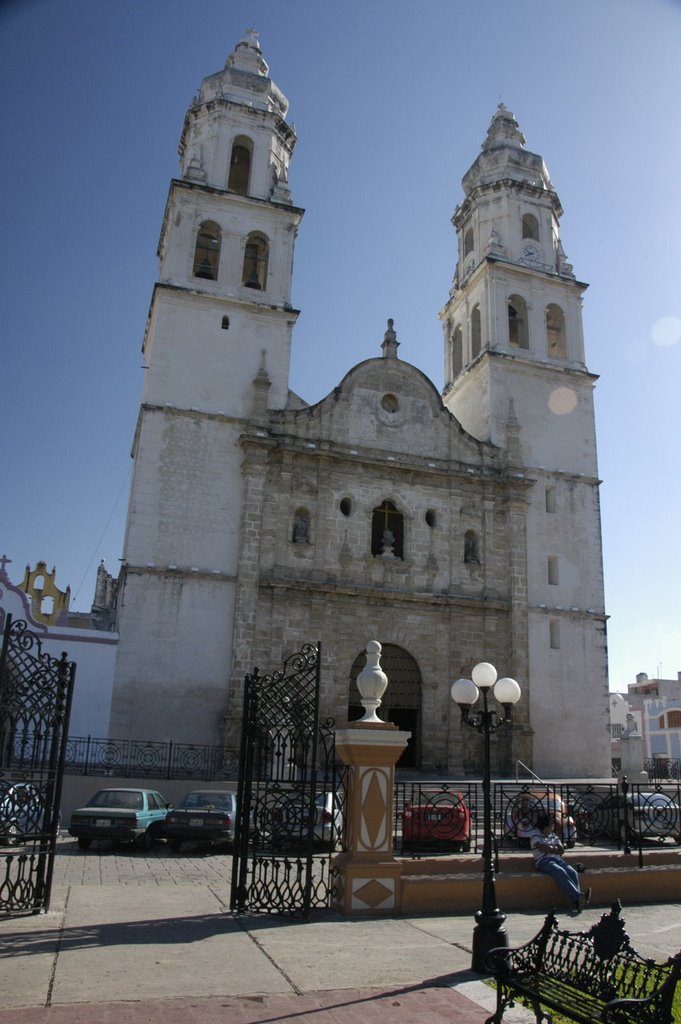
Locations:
(547, 850)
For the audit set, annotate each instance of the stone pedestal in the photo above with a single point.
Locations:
(631, 754)
(367, 874)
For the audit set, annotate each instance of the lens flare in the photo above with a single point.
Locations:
(667, 331)
(562, 401)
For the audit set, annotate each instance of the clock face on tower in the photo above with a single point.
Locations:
(531, 253)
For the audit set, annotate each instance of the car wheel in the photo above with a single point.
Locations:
(84, 844)
(145, 840)
(175, 845)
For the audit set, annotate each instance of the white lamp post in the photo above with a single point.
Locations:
(489, 930)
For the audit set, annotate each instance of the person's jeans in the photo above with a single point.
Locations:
(563, 873)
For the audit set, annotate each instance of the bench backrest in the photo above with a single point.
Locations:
(599, 962)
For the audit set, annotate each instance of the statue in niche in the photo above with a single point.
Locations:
(301, 528)
(387, 542)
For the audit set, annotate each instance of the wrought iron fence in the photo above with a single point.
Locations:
(90, 755)
(435, 818)
(591, 814)
(441, 817)
(663, 769)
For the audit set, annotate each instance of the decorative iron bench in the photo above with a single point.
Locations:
(592, 977)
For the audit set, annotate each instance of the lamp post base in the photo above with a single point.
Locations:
(488, 933)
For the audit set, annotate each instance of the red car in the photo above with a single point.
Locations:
(439, 820)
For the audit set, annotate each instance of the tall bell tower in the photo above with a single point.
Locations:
(216, 352)
(515, 375)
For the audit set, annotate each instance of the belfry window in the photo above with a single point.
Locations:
(550, 499)
(457, 352)
(555, 332)
(207, 252)
(476, 332)
(530, 226)
(387, 531)
(518, 335)
(240, 166)
(301, 527)
(468, 242)
(471, 547)
(256, 256)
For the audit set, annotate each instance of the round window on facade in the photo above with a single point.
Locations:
(346, 506)
(430, 517)
(389, 403)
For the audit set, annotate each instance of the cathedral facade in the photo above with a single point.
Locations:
(453, 525)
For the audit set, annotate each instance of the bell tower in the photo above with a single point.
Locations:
(216, 352)
(515, 375)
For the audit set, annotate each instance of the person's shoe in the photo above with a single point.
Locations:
(584, 899)
(577, 909)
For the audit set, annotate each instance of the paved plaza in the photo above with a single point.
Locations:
(136, 937)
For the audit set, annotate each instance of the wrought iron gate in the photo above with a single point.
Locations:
(35, 702)
(289, 799)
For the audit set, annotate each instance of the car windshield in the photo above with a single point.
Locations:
(117, 798)
(206, 799)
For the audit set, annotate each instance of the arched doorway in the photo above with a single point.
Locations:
(401, 700)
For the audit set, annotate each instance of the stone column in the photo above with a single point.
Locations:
(367, 874)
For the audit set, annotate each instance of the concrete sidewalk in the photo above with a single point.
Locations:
(150, 939)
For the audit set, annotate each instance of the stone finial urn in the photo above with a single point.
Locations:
(371, 683)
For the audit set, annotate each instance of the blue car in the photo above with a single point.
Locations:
(128, 815)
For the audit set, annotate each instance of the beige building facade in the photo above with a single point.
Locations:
(454, 525)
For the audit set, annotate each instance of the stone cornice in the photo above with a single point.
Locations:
(179, 572)
(173, 410)
(181, 184)
(505, 184)
(382, 595)
(399, 464)
(568, 613)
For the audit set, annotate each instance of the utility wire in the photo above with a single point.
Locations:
(106, 527)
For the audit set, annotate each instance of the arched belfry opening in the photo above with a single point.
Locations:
(401, 703)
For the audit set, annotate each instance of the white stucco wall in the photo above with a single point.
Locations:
(94, 652)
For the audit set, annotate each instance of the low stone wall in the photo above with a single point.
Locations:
(443, 886)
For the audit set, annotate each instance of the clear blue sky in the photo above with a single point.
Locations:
(391, 100)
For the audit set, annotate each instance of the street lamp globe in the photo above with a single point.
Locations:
(507, 691)
(464, 691)
(484, 675)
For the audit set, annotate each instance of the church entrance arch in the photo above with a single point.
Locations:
(401, 703)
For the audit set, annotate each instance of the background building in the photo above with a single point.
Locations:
(87, 638)
(451, 530)
(656, 707)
